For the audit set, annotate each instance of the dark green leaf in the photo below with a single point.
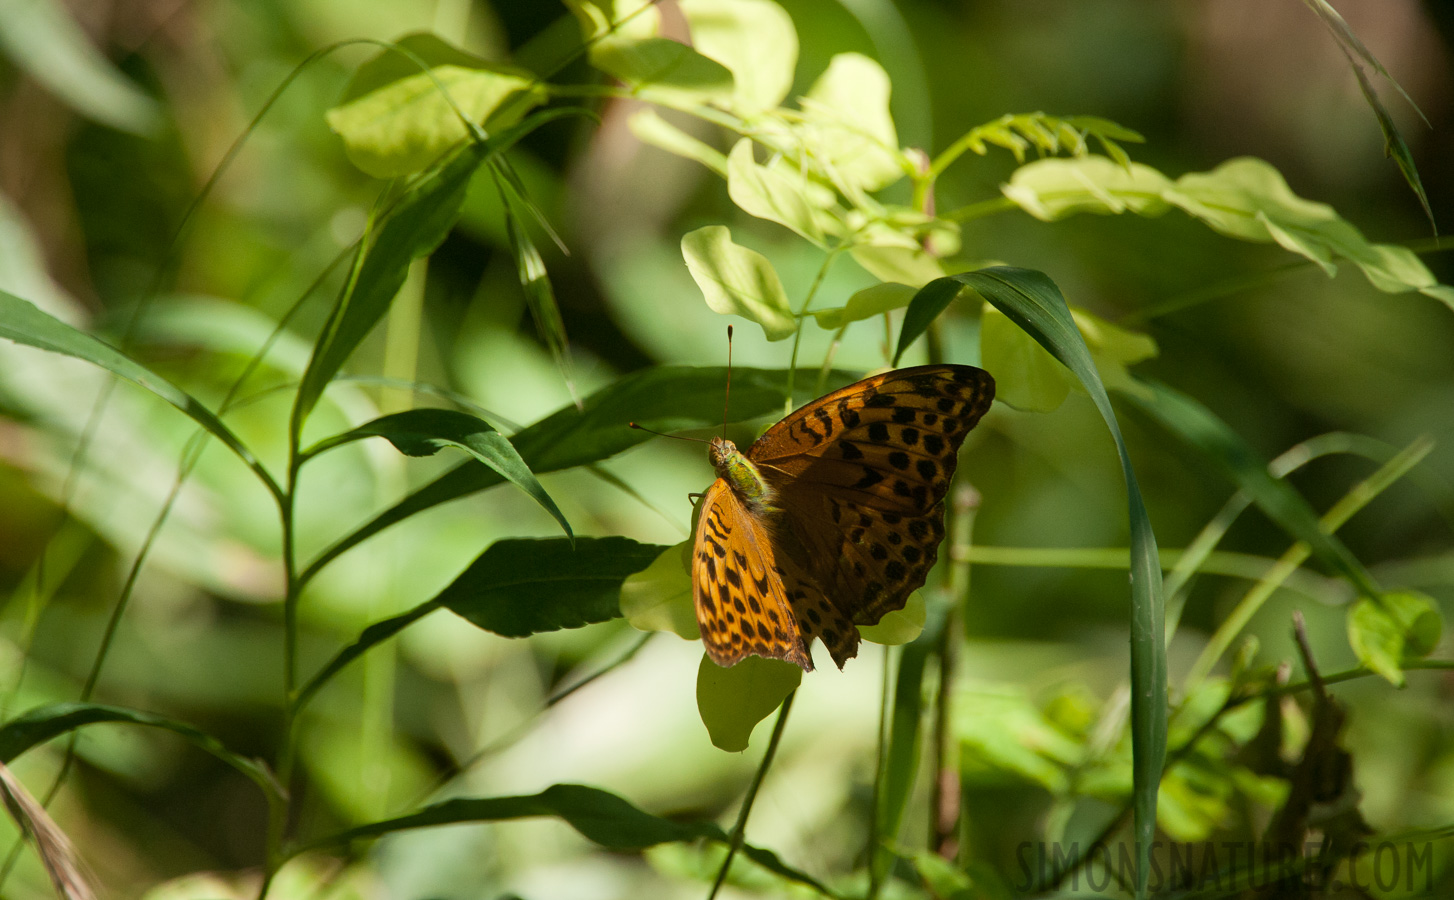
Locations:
(1199, 427)
(45, 722)
(520, 587)
(667, 398)
(424, 432)
(1034, 303)
(598, 815)
(415, 227)
(22, 322)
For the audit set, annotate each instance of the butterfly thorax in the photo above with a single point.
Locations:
(740, 474)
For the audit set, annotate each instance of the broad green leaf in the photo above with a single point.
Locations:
(738, 281)
(732, 701)
(1396, 626)
(848, 132)
(601, 817)
(770, 194)
(23, 323)
(667, 398)
(1247, 198)
(1034, 303)
(659, 597)
(865, 304)
(1051, 189)
(522, 587)
(603, 21)
(396, 121)
(650, 128)
(415, 227)
(41, 38)
(898, 259)
(664, 70)
(1199, 427)
(424, 432)
(39, 725)
(755, 39)
(900, 626)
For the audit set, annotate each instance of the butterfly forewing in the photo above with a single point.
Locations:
(861, 475)
(743, 608)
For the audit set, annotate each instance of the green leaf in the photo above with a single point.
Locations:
(1034, 303)
(900, 626)
(1200, 428)
(931, 300)
(865, 304)
(1396, 626)
(755, 39)
(416, 226)
(522, 587)
(23, 323)
(539, 294)
(847, 129)
(890, 255)
(395, 121)
(652, 129)
(39, 725)
(770, 193)
(732, 701)
(1051, 189)
(424, 432)
(1247, 198)
(659, 597)
(666, 398)
(40, 38)
(1001, 731)
(738, 281)
(600, 816)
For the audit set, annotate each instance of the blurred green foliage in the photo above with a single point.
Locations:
(265, 694)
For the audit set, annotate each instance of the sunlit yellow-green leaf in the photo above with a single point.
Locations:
(1052, 189)
(848, 133)
(404, 126)
(865, 304)
(659, 598)
(737, 281)
(754, 39)
(899, 626)
(732, 701)
(1398, 626)
(770, 193)
(652, 129)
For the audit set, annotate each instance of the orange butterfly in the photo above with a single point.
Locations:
(832, 517)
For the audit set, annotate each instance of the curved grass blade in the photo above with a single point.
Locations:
(24, 323)
(931, 300)
(667, 398)
(600, 816)
(1198, 426)
(1032, 301)
(45, 722)
(424, 432)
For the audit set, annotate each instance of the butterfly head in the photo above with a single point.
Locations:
(720, 452)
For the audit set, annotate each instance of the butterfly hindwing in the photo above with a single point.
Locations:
(861, 475)
(742, 604)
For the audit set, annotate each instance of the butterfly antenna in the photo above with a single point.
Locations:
(727, 394)
(675, 437)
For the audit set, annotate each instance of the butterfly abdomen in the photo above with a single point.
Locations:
(741, 475)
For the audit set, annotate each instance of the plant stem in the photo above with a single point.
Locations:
(879, 773)
(802, 313)
(739, 830)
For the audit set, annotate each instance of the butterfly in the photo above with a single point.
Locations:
(832, 517)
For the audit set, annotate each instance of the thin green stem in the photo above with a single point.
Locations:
(981, 209)
(739, 830)
(875, 883)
